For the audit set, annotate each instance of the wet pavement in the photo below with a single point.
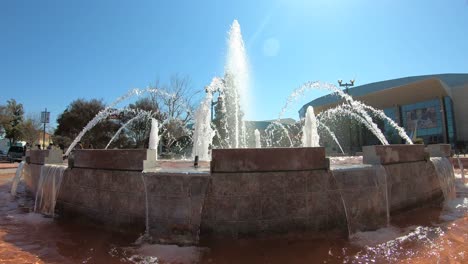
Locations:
(424, 235)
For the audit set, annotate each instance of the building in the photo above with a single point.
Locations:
(430, 107)
(40, 139)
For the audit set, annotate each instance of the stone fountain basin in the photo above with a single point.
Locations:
(242, 192)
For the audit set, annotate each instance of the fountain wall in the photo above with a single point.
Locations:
(246, 192)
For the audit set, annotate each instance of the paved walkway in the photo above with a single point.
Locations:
(8, 165)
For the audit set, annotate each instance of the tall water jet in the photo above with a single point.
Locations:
(235, 90)
(203, 134)
(310, 137)
(258, 144)
(154, 135)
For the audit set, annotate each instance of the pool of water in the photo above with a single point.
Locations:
(424, 235)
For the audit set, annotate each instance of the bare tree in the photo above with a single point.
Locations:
(179, 110)
(173, 106)
(31, 129)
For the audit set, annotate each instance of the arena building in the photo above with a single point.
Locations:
(433, 108)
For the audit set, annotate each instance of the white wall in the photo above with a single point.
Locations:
(460, 101)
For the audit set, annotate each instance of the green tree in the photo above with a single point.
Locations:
(76, 117)
(11, 120)
(138, 131)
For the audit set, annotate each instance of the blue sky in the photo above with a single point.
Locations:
(52, 52)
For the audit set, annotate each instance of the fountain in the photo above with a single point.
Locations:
(239, 191)
(17, 178)
(154, 138)
(203, 134)
(258, 143)
(139, 115)
(310, 137)
(48, 188)
(234, 89)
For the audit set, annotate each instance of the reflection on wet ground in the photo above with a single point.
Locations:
(424, 235)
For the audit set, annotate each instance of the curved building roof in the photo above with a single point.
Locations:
(451, 80)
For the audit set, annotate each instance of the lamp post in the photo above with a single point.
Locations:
(213, 103)
(347, 85)
(44, 119)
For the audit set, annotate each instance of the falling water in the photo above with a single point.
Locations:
(310, 137)
(381, 172)
(258, 144)
(460, 165)
(283, 130)
(147, 230)
(355, 106)
(203, 134)
(327, 129)
(444, 171)
(110, 110)
(360, 108)
(343, 110)
(348, 224)
(236, 82)
(379, 113)
(17, 178)
(48, 188)
(140, 114)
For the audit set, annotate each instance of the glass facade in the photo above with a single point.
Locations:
(389, 132)
(448, 109)
(424, 119)
(433, 121)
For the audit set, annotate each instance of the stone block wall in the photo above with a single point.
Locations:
(268, 159)
(390, 154)
(246, 197)
(411, 175)
(363, 192)
(117, 199)
(256, 203)
(412, 184)
(48, 156)
(113, 159)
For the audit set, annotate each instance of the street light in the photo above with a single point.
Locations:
(346, 85)
(45, 116)
(213, 103)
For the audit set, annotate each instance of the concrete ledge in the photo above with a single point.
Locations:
(49, 156)
(439, 150)
(272, 159)
(390, 154)
(113, 159)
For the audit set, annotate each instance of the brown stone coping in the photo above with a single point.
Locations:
(390, 154)
(112, 159)
(268, 159)
(37, 156)
(439, 150)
